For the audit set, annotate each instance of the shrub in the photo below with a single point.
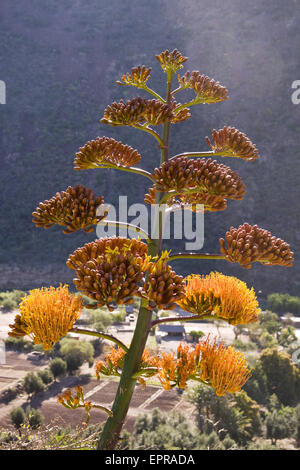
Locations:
(32, 383)
(46, 376)
(196, 335)
(75, 353)
(58, 367)
(10, 300)
(17, 416)
(241, 346)
(18, 344)
(35, 417)
(8, 305)
(164, 431)
(280, 424)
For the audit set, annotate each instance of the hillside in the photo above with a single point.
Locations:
(60, 59)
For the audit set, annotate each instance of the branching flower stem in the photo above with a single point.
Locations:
(130, 169)
(182, 318)
(133, 228)
(196, 154)
(115, 340)
(196, 256)
(151, 131)
(152, 92)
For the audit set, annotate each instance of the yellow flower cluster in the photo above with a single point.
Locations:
(224, 297)
(46, 315)
(221, 367)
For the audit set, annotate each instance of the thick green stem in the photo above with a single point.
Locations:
(114, 424)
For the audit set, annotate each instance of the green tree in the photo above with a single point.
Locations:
(58, 367)
(270, 322)
(235, 416)
(100, 319)
(34, 417)
(17, 416)
(280, 424)
(282, 376)
(32, 384)
(284, 303)
(162, 431)
(75, 353)
(46, 376)
(287, 336)
(297, 419)
(196, 335)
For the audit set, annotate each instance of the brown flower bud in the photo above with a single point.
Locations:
(207, 90)
(75, 208)
(163, 286)
(138, 76)
(248, 244)
(137, 111)
(181, 115)
(171, 61)
(103, 152)
(93, 250)
(230, 142)
(114, 276)
(182, 174)
(210, 202)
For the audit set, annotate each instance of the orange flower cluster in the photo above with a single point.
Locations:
(178, 370)
(77, 401)
(230, 142)
(114, 361)
(75, 208)
(224, 297)
(207, 90)
(197, 178)
(171, 61)
(163, 286)
(137, 111)
(221, 367)
(138, 76)
(105, 152)
(249, 243)
(46, 315)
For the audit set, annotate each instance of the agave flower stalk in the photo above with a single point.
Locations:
(112, 271)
